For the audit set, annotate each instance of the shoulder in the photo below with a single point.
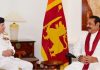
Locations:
(84, 34)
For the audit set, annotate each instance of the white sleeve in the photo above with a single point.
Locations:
(8, 46)
(77, 51)
(1, 52)
(11, 47)
(79, 47)
(1, 48)
(5, 44)
(98, 59)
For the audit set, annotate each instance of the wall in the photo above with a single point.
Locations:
(33, 12)
(73, 18)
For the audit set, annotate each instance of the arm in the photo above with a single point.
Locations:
(77, 49)
(9, 51)
(11, 48)
(1, 50)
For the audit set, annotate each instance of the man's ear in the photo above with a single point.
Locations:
(98, 24)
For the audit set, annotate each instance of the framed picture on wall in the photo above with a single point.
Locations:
(89, 7)
(86, 13)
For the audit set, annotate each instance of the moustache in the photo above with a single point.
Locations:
(88, 27)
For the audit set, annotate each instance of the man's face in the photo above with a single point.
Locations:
(2, 27)
(92, 27)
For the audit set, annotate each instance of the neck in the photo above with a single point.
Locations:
(94, 31)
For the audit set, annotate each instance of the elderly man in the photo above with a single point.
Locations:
(7, 61)
(88, 50)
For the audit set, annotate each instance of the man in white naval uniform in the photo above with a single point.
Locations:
(7, 61)
(88, 50)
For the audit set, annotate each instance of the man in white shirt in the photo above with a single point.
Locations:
(88, 50)
(7, 60)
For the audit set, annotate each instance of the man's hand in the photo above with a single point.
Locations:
(87, 59)
(7, 53)
(91, 59)
(82, 59)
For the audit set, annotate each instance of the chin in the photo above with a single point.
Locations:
(89, 31)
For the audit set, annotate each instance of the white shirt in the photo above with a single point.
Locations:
(92, 39)
(79, 48)
(5, 45)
